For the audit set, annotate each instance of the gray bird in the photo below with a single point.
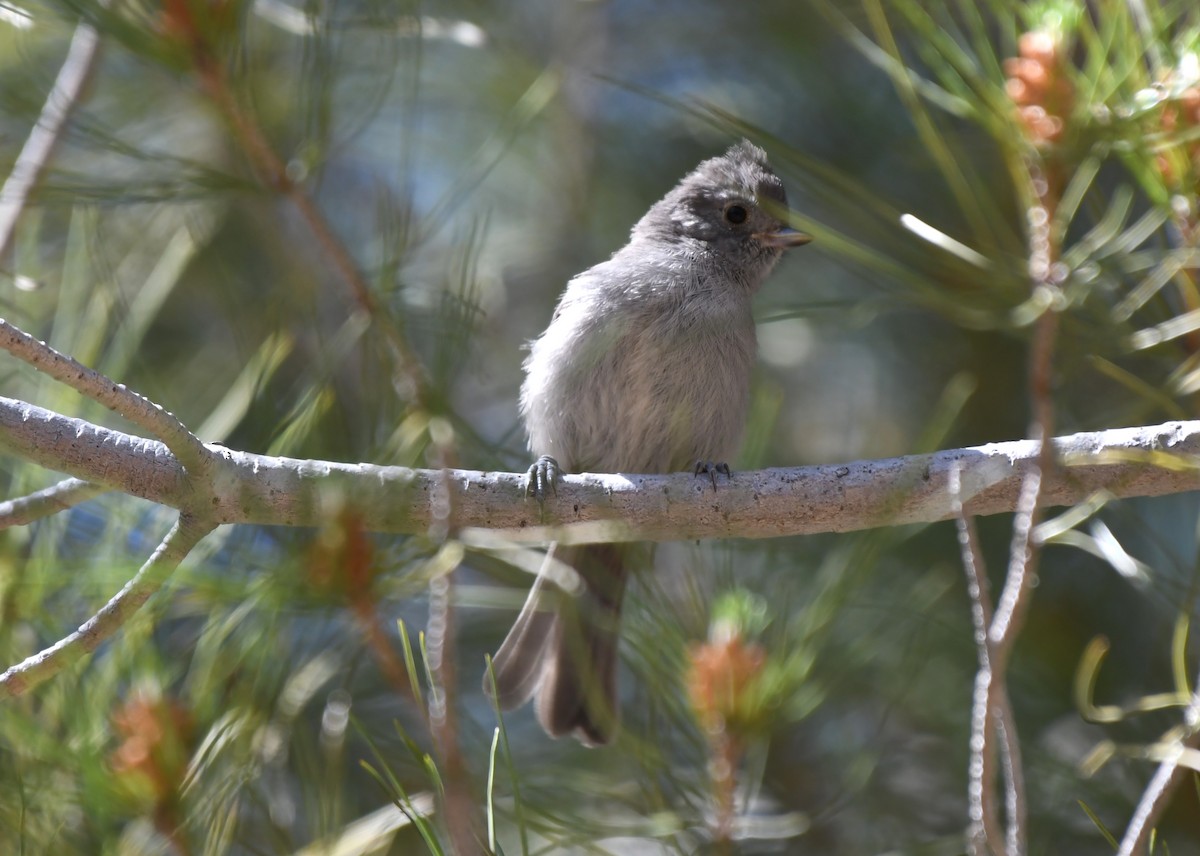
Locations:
(645, 368)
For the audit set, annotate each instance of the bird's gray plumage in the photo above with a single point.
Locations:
(644, 368)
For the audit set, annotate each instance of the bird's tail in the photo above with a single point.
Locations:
(562, 649)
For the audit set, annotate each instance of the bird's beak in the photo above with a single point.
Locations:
(783, 238)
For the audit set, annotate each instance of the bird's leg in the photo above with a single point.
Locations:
(711, 469)
(544, 474)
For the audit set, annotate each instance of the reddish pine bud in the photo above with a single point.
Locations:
(1038, 87)
(1040, 46)
(719, 677)
(152, 758)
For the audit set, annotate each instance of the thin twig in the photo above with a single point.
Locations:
(1045, 272)
(390, 663)
(1013, 769)
(1023, 558)
(50, 500)
(993, 719)
(983, 833)
(1162, 785)
(1017, 595)
(1023, 561)
(462, 815)
(118, 398)
(725, 758)
(44, 136)
(1018, 581)
(184, 535)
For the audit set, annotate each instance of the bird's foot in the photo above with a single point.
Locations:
(711, 469)
(543, 476)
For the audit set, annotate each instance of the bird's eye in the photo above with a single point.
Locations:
(736, 214)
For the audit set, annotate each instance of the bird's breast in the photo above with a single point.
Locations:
(652, 382)
(682, 389)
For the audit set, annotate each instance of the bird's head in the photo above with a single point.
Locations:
(729, 208)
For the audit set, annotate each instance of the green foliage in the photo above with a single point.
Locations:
(471, 157)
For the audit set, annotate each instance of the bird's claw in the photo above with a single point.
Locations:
(544, 473)
(711, 469)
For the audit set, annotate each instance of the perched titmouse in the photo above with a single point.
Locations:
(645, 368)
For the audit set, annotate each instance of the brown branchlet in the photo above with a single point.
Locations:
(341, 560)
(198, 29)
(342, 565)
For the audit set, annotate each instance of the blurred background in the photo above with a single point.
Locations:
(471, 157)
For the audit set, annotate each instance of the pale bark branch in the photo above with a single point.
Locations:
(51, 500)
(1163, 784)
(983, 827)
(118, 398)
(44, 665)
(247, 488)
(1015, 804)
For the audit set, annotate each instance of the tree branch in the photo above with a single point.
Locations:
(51, 500)
(112, 617)
(117, 397)
(248, 488)
(1163, 784)
(983, 830)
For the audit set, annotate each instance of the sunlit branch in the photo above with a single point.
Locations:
(115, 396)
(51, 500)
(1013, 769)
(489, 507)
(1161, 787)
(184, 535)
(984, 831)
